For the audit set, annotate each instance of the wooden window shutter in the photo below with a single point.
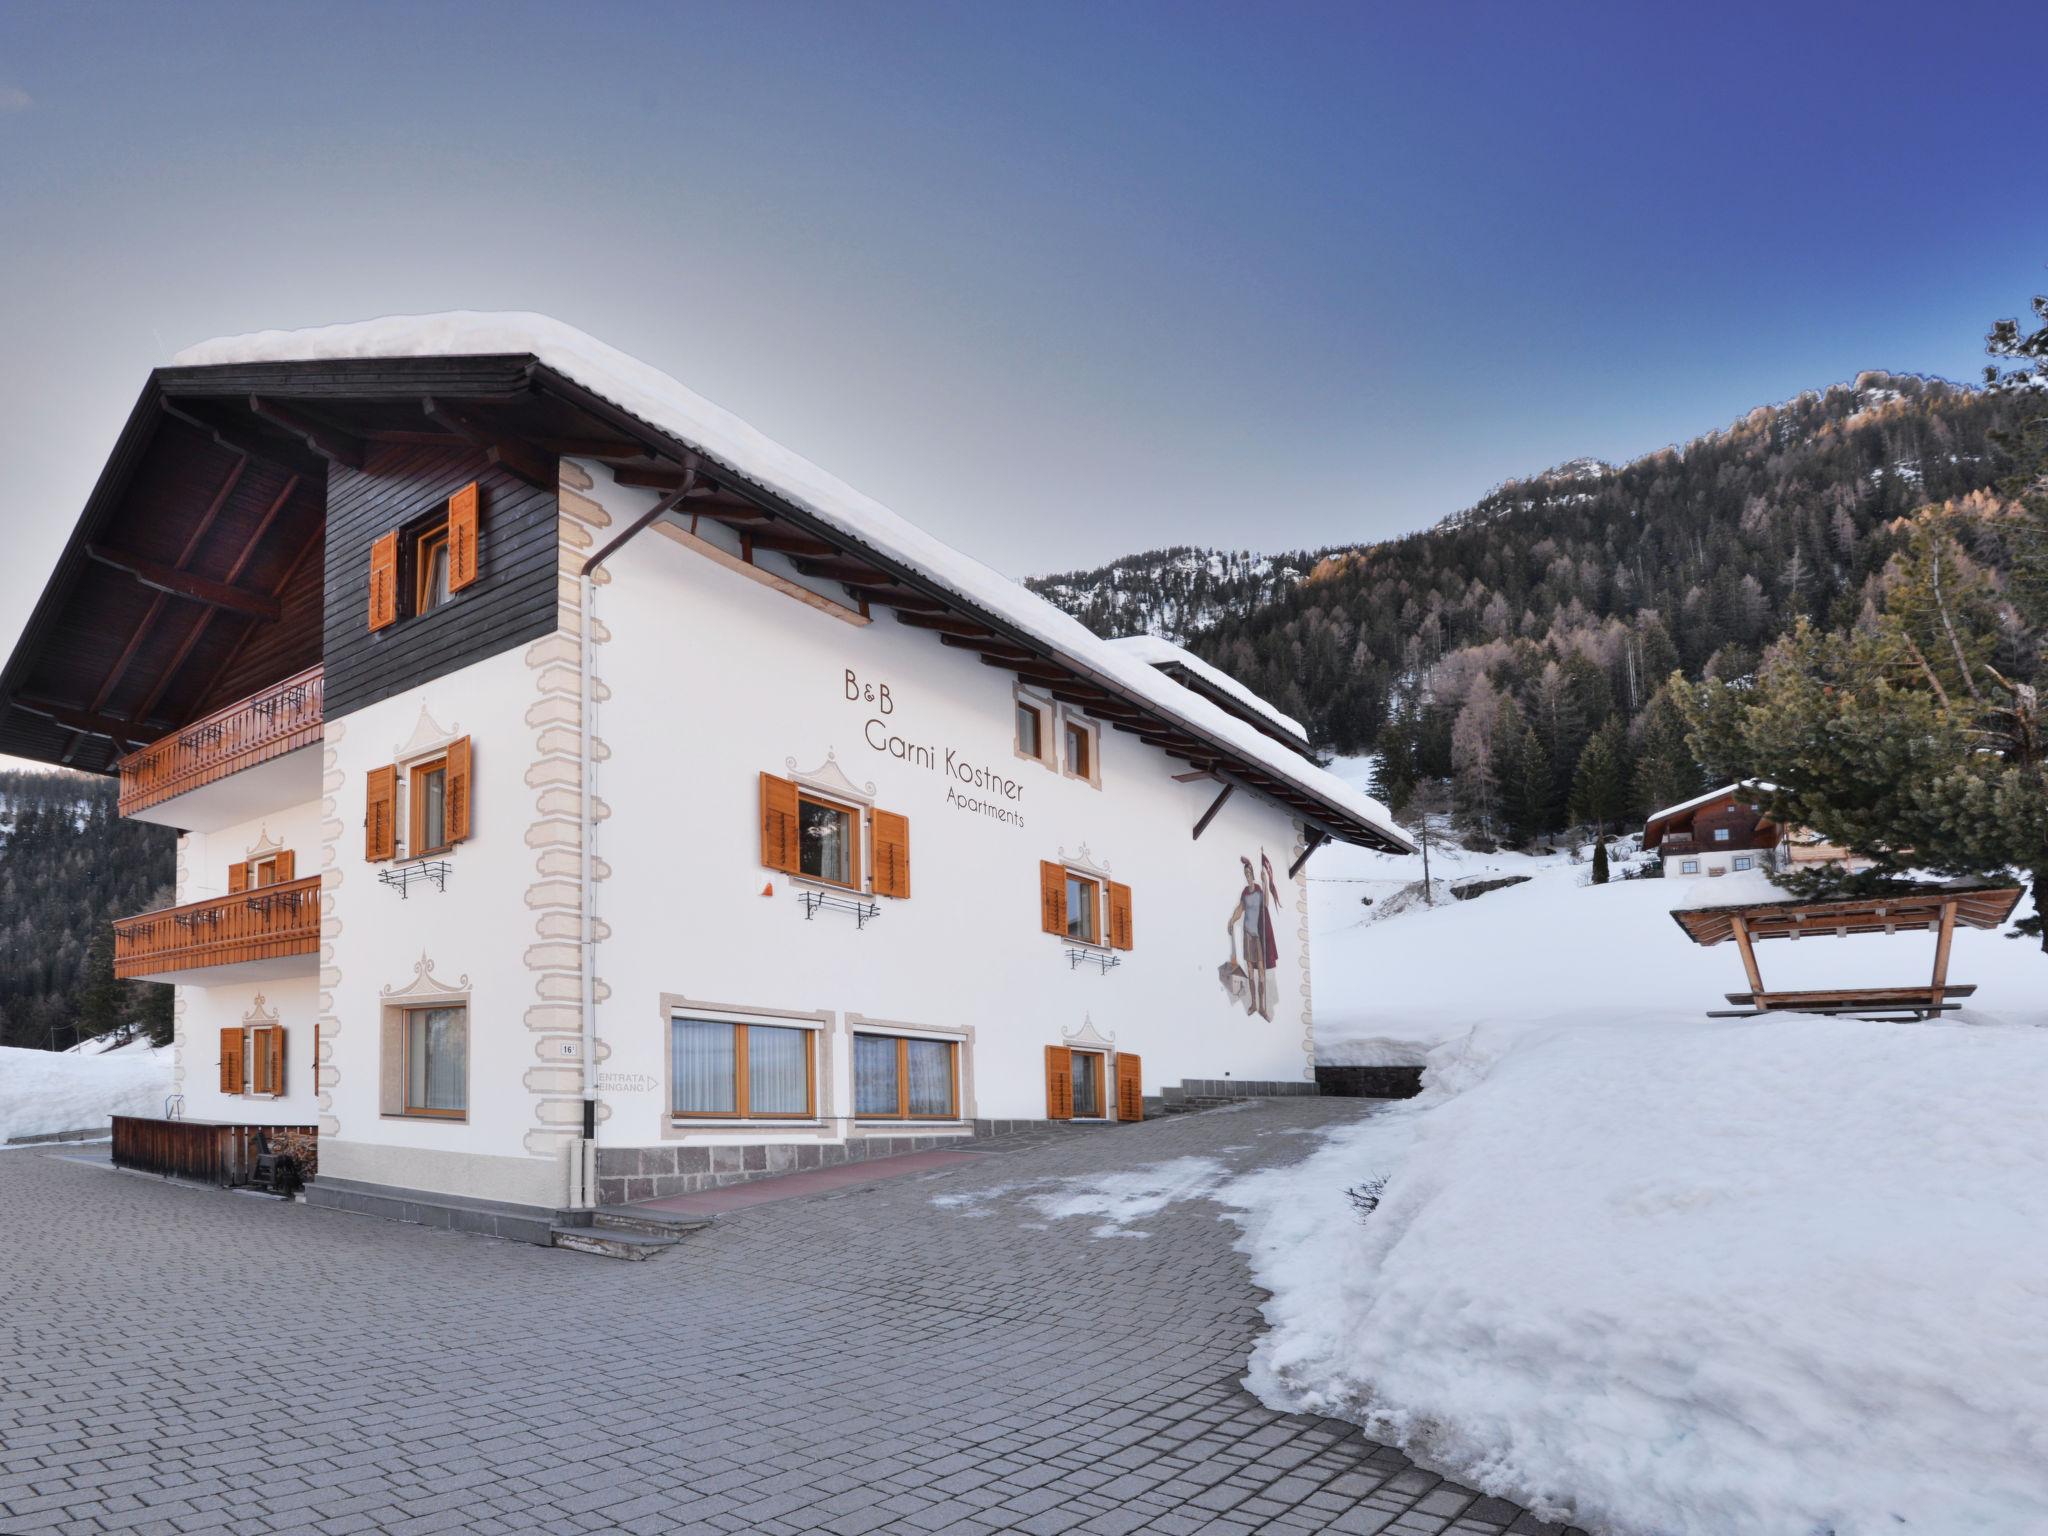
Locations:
(238, 877)
(384, 581)
(1059, 1083)
(1052, 898)
(276, 1062)
(287, 866)
(231, 1061)
(1130, 1087)
(1119, 916)
(892, 854)
(462, 537)
(380, 814)
(778, 824)
(456, 819)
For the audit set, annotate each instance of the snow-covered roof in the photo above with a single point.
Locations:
(1751, 786)
(668, 406)
(1158, 652)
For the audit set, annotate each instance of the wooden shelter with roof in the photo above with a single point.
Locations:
(1937, 909)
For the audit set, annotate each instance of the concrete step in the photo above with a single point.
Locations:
(627, 1218)
(611, 1243)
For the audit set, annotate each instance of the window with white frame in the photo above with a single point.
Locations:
(1744, 861)
(1689, 867)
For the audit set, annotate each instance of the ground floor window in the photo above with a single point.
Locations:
(1088, 1085)
(437, 1062)
(1689, 867)
(899, 1077)
(1743, 861)
(740, 1071)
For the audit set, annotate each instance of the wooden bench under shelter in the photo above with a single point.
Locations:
(1934, 908)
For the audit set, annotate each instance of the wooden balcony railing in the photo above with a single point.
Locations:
(264, 924)
(269, 724)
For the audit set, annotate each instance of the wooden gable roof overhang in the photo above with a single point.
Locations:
(295, 417)
(1976, 906)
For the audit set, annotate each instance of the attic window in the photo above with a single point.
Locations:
(430, 568)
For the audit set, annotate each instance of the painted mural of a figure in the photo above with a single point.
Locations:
(1257, 913)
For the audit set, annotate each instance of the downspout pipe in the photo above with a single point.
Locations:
(586, 593)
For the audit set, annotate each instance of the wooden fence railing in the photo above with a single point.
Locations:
(203, 1149)
(280, 719)
(263, 924)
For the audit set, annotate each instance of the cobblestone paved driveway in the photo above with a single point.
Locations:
(185, 1360)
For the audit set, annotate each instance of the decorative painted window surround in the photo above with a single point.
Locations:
(878, 859)
(961, 1038)
(1108, 921)
(259, 1046)
(819, 1022)
(423, 754)
(1080, 747)
(1047, 713)
(424, 992)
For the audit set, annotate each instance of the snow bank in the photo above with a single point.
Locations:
(1781, 1276)
(662, 402)
(42, 1092)
(1553, 950)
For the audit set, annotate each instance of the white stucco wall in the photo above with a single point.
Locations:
(203, 1011)
(706, 679)
(472, 938)
(712, 678)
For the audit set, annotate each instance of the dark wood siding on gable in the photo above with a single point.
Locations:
(512, 601)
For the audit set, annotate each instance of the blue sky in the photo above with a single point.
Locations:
(1057, 281)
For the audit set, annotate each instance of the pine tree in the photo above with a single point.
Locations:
(1600, 860)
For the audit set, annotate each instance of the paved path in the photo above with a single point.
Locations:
(177, 1360)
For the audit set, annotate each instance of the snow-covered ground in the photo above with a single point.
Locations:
(42, 1092)
(1660, 1273)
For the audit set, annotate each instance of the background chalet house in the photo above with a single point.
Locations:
(584, 799)
(1726, 830)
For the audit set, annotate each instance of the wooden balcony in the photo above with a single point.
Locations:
(247, 734)
(272, 931)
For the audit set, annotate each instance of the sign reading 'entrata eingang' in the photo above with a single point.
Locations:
(975, 788)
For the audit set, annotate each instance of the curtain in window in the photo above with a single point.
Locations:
(931, 1077)
(1087, 1085)
(440, 1059)
(778, 1075)
(702, 1066)
(874, 1075)
(827, 837)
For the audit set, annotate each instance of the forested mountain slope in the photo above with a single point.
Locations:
(68, 866)
(1573, 593)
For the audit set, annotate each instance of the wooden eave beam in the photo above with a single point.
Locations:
(787, 541)
(888, 594)
(330, 442)
(282, 452)
(509, 453)
(994, 649)
(945, 624)
(198, 589)
(844, 568)
(86, 722)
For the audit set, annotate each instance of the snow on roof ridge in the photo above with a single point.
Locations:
(1157, 649)
(664, 403)
(1759, 785)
